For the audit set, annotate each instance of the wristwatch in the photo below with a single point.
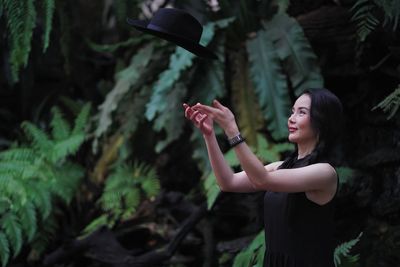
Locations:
(237, 139)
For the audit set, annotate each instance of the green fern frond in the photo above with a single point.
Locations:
(4, 249)
(38, 137)
(49, 7)
(46, 232)
(18, 154)
(13, 188)
(12, 228)
(212, 189)
(390, 104)
(66, 147)
(21, 17)
(171, 119)
(60, 127)
(125, 81)
(131, 199)
(364, 18)
(295, 52)
(41, 198)
(103, 220)
(179, 61)
(151, 186)
(343, 250)
(81, 120)
(27, 217)
(125, 187)
(269, 82)
(391, 10)
(253, 255)
(249, 115)
(68, 180)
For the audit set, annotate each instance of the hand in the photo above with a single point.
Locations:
(199, 119)
(222, 115)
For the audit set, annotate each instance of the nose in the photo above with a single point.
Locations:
(291, 118)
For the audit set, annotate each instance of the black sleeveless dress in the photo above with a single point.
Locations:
(298, 232)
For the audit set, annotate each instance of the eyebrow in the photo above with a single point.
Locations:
(301, 108)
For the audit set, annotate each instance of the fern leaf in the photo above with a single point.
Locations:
(200, 154)
(179, 61)
(21, 17)
(269, 83)
(81, 120)
(27, 217)
(390, 104)
(212, 189)
(66, 147)
(18, 154)
(364, 18)
(60, 127)
(96, 224)
(39, 138)
(250, 256)
(268, 152)
(249, 115)
(46, 232)
(67, 182)
(41, 198)
(12, 228)
(212, 77)
(126, 79)
(343, 250)
(4, 249)
(295, 52)
(132, 107)
(392, 12)
(49, 7)
(171, 119)
(151, 186)
(131, 199)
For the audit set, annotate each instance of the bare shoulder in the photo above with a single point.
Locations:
(273, 166)
(326, 169)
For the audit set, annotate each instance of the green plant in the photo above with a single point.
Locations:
(123, 191)
(253, 255)
(367, 19)
(21, 20)
(342, 255)
(34, 176)
(390, 104)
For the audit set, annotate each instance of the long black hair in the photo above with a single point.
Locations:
(326, 118)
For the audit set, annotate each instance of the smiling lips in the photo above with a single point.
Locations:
(292, 129)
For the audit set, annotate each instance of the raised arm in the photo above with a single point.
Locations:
(227, 180)
(317, 177)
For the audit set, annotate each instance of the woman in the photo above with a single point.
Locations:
(300, 191)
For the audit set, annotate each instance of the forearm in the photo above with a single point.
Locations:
(222, 170)
(249, 162)
(251, 165)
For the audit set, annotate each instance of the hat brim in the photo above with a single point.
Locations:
(195, 48)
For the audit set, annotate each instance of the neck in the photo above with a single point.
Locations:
(304, 149)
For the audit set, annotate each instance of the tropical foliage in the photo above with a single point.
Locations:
(123, 192)
(34, 177)
(138, 83)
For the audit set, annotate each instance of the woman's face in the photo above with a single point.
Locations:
(299, 122)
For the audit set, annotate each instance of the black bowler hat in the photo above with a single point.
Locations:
(177, 26)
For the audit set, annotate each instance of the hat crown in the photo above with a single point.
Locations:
(176, 22)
